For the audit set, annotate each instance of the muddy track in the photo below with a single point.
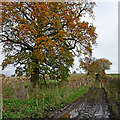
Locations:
(92, 105)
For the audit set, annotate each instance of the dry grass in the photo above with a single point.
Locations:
(49, 98)
(112, 87)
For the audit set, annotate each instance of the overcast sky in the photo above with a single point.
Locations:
(107, 29)
(106, 22)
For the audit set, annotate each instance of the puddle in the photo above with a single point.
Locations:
(93, 105)
(90, 109)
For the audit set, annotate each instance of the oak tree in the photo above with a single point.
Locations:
(95, 66)
(43, 37)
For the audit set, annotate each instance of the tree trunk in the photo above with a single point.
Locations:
(35, 77)
(35, 80)
(44, 79)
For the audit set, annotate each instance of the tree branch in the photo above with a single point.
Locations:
(16, 42)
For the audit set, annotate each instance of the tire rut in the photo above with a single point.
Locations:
(93, 105)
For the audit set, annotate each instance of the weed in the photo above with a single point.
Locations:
(49, 99)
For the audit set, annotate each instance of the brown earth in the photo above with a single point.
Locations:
(94, 104)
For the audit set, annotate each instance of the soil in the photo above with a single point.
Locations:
(92, 105)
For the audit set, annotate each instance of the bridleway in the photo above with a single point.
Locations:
(92, 105)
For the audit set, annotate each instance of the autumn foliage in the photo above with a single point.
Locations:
(43, 37)
(95, 66)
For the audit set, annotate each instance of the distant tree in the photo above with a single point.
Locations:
(74, 72)
(95, 66)
(86, 62)
(43, 37)
(103, 64)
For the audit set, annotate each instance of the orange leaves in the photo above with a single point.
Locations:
(84, 65)
(79, 35)
(44, 47)
(36, 5)
(40, 43)
(40, 54)
(61, 50)
(53, 14)
(50, 30)
(56, 24)
(95, 65)
(42, 39)
(34, 13)
(83, 25)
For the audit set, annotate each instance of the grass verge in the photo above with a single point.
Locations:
(48, 99)
(112, 87)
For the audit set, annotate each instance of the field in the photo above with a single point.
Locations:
(111, 84)
(20, 101)
(114, 75)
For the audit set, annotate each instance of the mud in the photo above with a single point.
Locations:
(91, 106)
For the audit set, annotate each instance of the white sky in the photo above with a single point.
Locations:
(107, 29)
(106, 21)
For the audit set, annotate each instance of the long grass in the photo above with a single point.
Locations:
(114, 75)
(49, 98)
(112, 87)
